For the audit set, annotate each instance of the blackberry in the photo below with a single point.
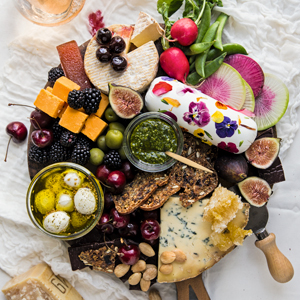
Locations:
(57, 129)
(80, 154)
(75, 99)
(92, 99)
(39, 155)
(113, 160)
(68, 138)
(54, 74)
(84, 141)
(59, 153)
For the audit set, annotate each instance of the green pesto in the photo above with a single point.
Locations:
(150, 139)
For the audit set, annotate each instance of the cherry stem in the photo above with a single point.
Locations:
(16, 104)
(34, 119)
(107, 186)
(7, 148)
(151, 227)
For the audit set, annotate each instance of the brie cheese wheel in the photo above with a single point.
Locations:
(183, 228)
(146, 29)
(141, 69)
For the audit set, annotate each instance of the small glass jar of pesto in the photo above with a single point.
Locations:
(148, 137)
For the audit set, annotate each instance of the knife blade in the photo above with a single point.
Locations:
(280, 267)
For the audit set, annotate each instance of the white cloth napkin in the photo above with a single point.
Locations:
(269, 30)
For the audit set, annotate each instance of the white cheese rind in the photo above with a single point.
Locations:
(141, 70)
(184, 228)
(146, 29)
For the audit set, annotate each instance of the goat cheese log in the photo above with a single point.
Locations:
(212, 121)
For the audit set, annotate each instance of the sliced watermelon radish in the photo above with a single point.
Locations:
(272, 102)
(250, 100)
(249, 69)
(225, 85)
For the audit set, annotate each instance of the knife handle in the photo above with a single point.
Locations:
(279, 266)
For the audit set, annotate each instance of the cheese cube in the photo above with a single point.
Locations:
(93, 127)
(63, 109)
(49, 104)
(49, 89)
(146, 29)
(40, 283)
(63, 86)
(73, 119)
(102, 106)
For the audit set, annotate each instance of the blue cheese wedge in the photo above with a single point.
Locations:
(146, 29)
(141, 69)
(183, 228)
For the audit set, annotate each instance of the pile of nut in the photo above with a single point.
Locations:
(142, 273)
(168, 257)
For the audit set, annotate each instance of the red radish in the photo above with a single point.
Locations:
(175, 64)
(184, 31)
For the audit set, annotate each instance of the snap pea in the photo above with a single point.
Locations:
(200, 47)
(201, 58)
(192, 68)
(193, 78)
(192, 59)
(204, 25)
(214, 65)
(229, 48)
(222, 18)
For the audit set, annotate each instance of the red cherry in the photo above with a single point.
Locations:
(108, 201)
(118, 220)
(129, 254)
(39, 119)
(128, 169)
(104, 224)
(150, 229)
(42, 137)
(102, 173)
(17, 132)
(117, 181)
(130, 230)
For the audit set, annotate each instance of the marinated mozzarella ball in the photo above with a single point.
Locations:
(85, 202)
(56, 222)
(64, 201)
(72, 179)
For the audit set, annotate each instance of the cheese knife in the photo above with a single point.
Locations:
(280, 267)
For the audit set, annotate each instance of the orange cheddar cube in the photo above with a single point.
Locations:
(73, 119)
(49, 89)
(49, 104)
(63, 86)
(102, 106)
(93, 127)
(63, 110)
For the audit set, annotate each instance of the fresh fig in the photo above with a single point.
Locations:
(263, 152)
(125, 102)
(255, 190)
(231, 167)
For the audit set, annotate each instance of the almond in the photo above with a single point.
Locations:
(145, 285)
(166, 269)
(154, 295)
(140, 266)
(134, 278)
(121, 270)
(180, 256)
(167, 257)
(146, 249)
(148, 266)
(150, 273)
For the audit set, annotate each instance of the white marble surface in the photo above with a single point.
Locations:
(243, 274)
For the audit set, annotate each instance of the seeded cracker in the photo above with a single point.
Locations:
(102, 259)
(138, 191)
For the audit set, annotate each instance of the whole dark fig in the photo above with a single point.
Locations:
(231, 167)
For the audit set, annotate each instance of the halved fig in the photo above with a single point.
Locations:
(125, 102)
(263, 152)
(255, 190)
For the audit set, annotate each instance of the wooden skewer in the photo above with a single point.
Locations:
(187, 161)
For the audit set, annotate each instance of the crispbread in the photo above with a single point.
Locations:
(138, 191)
(161, 195)
(141, 69)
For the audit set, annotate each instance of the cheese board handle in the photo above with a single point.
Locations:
(279, 266)
(197, 285)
